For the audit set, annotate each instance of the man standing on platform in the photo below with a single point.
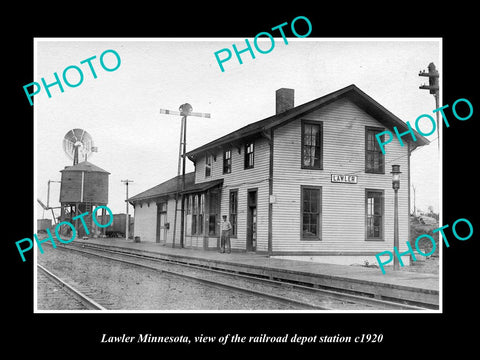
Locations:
(225, 226)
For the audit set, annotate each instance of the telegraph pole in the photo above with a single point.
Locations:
(433, 76)
(127, 225)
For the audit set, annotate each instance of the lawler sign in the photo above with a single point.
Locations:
(348, 179)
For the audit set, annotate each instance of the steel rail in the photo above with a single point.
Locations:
(336, 295)
(84, 299)
(214, 283)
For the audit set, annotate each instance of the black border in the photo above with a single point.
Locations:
(404, 334)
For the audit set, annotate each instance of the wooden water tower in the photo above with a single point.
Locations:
(84, 186)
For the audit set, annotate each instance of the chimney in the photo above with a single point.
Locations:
(284, 100)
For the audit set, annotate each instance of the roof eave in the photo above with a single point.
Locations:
(361, 99)
(195, 187)
(271, 121)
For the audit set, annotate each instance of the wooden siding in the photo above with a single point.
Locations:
(95, 187)
(343, 205)
(343, 230)
(242, 179)
(145, 219)
(71, 186)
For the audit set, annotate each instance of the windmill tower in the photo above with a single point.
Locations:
(185, 110)
(84, 186)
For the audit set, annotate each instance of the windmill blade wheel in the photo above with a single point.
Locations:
(78, 145)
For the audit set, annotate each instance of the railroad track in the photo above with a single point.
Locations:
(66, 295)
(143, 263)
(299, 296)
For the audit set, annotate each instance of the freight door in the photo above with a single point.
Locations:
(252, 220)
(161, 221)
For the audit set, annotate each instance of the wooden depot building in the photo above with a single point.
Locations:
(307, 183)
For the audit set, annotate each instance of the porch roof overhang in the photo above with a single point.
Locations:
(201, 187)
(173, 187)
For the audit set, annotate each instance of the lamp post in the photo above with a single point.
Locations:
(395, 185)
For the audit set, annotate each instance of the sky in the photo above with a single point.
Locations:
(120, 109)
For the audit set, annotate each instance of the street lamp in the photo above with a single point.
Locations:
(395, 185)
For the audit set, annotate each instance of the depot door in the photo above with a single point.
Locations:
(161, 220)
(252, 220)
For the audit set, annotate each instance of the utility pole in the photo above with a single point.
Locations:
(433, 76)
(127, 225)
(184, 111)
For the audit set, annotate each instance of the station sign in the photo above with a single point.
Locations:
(347, 179)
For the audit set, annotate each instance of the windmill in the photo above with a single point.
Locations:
(185, 110)
(78, 142)
(84, 186)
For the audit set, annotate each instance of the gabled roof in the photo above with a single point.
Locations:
(173, 186)
(84, 166)
(351, 92)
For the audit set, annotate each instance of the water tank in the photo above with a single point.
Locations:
(84, 183)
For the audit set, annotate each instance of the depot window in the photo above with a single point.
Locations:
(312, 145)
(374, 158)
(201, 212)
(227, 161)
(208, 165)
(198, 210)
(374, 214)
(188, 200)
(194, 214)
(213, 212)
(249, 155)
(311, 212)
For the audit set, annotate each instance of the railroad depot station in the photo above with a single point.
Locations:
(308, 183)
(307, 192)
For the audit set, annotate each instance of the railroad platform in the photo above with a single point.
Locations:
(421, 288)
